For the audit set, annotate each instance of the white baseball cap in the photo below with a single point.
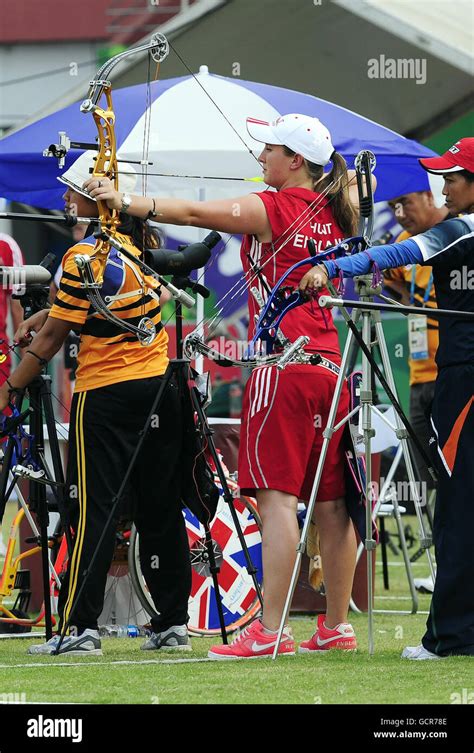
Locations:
(79, 172)
(302, 134)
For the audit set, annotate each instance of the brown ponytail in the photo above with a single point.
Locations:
(337, 196)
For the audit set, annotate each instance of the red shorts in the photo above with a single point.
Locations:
(284, 414)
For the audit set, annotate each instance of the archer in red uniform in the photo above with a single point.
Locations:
(285, 412)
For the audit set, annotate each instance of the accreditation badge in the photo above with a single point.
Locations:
(418, 336)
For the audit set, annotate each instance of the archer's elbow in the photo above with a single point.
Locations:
(47, 344)
(199, 214)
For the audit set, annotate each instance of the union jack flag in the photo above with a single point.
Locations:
(239, 598)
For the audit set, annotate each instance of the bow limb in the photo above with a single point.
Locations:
(106, 164)
(278, 304)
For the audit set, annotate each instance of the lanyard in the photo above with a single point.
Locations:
(412, 287)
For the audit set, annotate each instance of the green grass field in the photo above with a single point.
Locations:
(127, 675)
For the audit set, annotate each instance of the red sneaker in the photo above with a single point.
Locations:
(254, 643)
(342, 637)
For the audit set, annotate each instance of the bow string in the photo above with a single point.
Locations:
(280, 300)
(278, 303)
(246, 280)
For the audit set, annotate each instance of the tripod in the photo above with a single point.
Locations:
(179, 370)
(365, 408)
(38, 473)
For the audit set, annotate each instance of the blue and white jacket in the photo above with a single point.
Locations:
(449, 249)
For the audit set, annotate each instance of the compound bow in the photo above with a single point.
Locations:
(106, 166)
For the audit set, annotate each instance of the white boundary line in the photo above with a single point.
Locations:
(15, 636)
(45, 703)
(39, 665)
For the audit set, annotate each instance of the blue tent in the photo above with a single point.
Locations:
(183, 114)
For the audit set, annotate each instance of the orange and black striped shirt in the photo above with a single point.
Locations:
(108, 354)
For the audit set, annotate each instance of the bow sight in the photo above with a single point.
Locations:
(157, 47)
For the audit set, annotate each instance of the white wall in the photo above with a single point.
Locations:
(26, 61)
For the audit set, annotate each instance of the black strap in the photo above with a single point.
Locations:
(42, 361)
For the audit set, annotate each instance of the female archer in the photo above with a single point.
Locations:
(284, 412)
(117, 382)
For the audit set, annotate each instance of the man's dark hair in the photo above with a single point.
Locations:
(467, 175)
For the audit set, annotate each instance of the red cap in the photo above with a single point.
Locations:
(459, 157)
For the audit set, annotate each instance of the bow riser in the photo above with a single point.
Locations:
(105, 166)
(278, 304)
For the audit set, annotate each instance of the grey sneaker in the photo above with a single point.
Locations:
(424, 585)
(174, 639)
(418, 653)
(86, 644)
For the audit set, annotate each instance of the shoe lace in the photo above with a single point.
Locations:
(240, 637)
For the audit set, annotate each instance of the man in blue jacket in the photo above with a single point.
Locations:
(449, 249)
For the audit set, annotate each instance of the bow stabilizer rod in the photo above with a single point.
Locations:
(365, 163)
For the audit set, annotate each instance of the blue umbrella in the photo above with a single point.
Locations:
(189, 135)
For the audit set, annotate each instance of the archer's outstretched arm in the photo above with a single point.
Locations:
(432, 247)
(243, 214)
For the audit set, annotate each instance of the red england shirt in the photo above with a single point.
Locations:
(295, 216)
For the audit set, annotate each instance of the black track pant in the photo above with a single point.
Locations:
(104, 431)
(421, 400)
(450, 626)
